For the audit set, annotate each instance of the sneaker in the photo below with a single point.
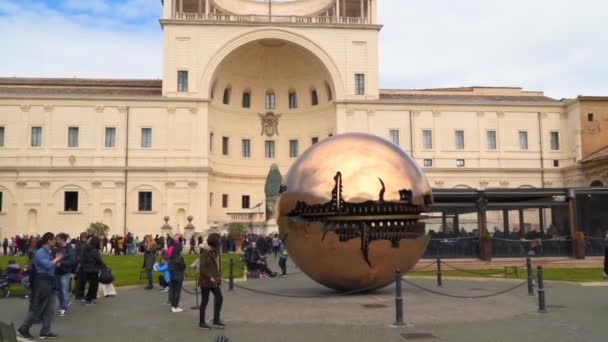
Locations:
(61, 313)
(48, 336)
(204, 326)
(176, 310)
(164, 289)
(24, 334)
(83, 300)
(92, 302)
(219, 325)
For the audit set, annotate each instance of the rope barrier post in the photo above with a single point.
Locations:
(231, 277)
(542, 307)
(530, 277)
(196, 294)
(398, 302)
(439, 276)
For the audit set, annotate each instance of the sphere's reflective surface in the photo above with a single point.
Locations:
(350, 212)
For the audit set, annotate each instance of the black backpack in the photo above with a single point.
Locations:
(106, 276)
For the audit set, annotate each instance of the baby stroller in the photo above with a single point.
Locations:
(13, 276)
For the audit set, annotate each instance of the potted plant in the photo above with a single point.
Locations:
(579, 246)
(485, 246)
(237, 231)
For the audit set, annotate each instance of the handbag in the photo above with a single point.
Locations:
(106, 276)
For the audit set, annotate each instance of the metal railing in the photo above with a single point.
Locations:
(252, 18)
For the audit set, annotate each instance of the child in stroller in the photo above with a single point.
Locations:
(14, 276)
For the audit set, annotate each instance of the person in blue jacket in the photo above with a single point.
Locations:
(165, 278)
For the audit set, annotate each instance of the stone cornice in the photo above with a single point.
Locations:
(164, 22)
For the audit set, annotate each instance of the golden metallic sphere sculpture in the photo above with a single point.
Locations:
(349, 212)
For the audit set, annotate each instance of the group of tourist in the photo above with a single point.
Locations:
(19, 245)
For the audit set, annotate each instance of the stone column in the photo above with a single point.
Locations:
(181, 8)
(522, 233)
(206, 7)
(200, 9)
(505, 221)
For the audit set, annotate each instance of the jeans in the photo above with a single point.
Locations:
(42, 305)
(217, 303)
(283, 266)
(63, 290)
(175, 291)
(149, 275)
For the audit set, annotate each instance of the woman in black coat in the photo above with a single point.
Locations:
(91, 264)
(177, 267)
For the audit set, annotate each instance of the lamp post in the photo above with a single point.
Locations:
(251, 216)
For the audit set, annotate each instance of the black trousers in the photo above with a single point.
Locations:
(283, 266)
(93, 279)
(80, 283)
(42, 305)
(162, 282)
(175, 291)
(217, 303)
(606, 259)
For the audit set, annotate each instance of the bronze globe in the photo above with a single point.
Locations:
(350, 209)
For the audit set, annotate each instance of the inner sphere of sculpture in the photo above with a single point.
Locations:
(350, 212)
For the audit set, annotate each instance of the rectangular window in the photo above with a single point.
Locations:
(145, 201)
(182, 81)
(314, 140)
(70, 201)
(459, 140)
(146, 137)
(427, 139)
(293, 148)
(224, 201)
(556, 163)
(394, 135)
(491, 140)
(36, 140)
(269, 149)
(72, 136)
(210, 142)
(270, 100)
(428, 162)
(523, 140)
(246, 100)
(110, 140)
(555, 141)
(211, 199)
(590, 117)
(359, 84)
(1, 136)
(246, 148)
(225, 142)
(293, 100)
(245, 201)
(1, 195)
(460, 162)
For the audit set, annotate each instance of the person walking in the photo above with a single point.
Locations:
(91, 265)
(42, 304)
(276, 243)
(192, 245)
(210, 280)
(149, 257)
(5, 245)
(177, 267)
(64, 272)
(283, 260)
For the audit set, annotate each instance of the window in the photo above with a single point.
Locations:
(523, 140)
(330, 95)
(428, 162)
(225, 142)
(590, 117)
(394, 136)
(427, 139)
(314, 140)
(359, 84)
(293, 148)
(246, 148)
(245, 201)
(491, 140)
(182, 81)
(555, 141)
(72, 136)
(314, 97)
(246, 99)
(460, 162)
(1, 136)
(459, 140)
(210, 142)
(330, 135)
(270, 100)
(556, 163)
(36, 140)
(211, 199)
(293, 99)
(70, 201)
(1, 201)
(224, 201)
(226, 97)
(146, 137)
(110, 140)
(145, 201)
(269, 149)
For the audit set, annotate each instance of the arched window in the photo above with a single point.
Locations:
(270, 99)
(330, 95)
(226, 97)
(293, 99)
(246, 99)
(314, 97)
(597, 183)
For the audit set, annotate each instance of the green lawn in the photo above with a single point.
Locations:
(561, 274)
(127, 269)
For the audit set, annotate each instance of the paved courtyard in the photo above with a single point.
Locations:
(575, 314)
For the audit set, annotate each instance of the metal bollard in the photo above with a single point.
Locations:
(439, 276)
(530, 277)
(398, 301)
(196, 294)
(231, 278)
(542, 307)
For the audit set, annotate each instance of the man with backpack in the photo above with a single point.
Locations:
(210, 280)
(64, 272)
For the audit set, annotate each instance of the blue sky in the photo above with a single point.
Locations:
(558, 46)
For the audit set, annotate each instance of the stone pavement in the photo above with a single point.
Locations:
(575, 314)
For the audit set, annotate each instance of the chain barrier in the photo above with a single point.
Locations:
(336, 294)
(423, 267)
(462, 296)
(516, 267)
